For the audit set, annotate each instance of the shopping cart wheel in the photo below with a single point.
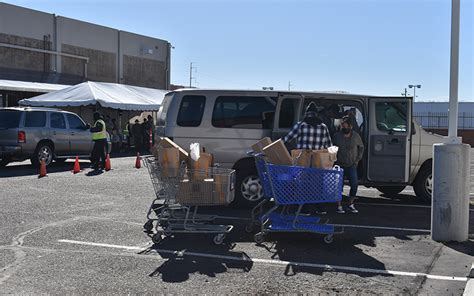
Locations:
(218, 239)
(148, 226)
(167, 231)
(328, 238)
(259, 237)
(249, 227)
(156, 239)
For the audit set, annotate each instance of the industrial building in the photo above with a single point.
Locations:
(42, 47)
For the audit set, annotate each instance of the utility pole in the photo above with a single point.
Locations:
(289, 85)
(405, 93)
(191, 74)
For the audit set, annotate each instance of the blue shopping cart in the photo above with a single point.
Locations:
(294, 185)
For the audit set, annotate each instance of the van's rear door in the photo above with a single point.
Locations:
(286, 115)
(389, 139)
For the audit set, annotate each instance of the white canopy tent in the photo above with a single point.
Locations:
(107, 95)
(26, 86)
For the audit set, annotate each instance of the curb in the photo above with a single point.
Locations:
(469, 289)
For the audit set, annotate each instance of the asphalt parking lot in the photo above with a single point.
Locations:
(83, 234)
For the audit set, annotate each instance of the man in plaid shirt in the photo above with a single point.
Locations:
(311, 133)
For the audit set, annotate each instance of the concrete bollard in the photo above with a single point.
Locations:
(450, 199)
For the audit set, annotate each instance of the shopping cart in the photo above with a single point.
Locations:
(179, 193)
(257, 215)
(294, 185)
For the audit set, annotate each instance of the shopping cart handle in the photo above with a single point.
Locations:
(250, 153)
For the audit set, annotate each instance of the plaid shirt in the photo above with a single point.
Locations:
(309, 137)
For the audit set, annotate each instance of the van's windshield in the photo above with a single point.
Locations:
(164, 110)
(9, 119)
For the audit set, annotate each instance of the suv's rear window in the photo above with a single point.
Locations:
(9, 118)
(35, 119)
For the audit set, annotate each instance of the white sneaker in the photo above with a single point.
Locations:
(340, 210)
(352, 209)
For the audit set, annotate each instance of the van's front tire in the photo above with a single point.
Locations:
(423, 185)
(390, 190)
(248, 188)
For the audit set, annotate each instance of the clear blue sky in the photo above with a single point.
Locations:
(363, 46)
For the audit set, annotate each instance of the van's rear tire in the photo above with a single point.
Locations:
(248, 190)
(390, 190)
(43, 150)
(423, 185)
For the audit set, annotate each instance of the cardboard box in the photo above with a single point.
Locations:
(302, 157)
(195, 192)
(277, 153)
(258, 147)
(168, 159)
(167, 143)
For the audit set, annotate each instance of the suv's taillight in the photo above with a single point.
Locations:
(21, 137)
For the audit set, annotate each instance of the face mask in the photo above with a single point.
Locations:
(346, 130)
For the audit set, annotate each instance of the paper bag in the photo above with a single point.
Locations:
(168, 159)
(200, 168)
(302, 157)
(277, 153)
(323, 159)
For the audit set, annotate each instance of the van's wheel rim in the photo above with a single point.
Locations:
(429, 184)
(252, 189)
(45, 153)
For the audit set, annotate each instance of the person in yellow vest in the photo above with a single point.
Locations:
(99, 136)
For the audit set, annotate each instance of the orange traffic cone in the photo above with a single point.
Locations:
(138, 163)
(108, 167)
(43, 172)
(77, 167)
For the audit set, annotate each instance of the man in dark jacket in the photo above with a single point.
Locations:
(99, 136)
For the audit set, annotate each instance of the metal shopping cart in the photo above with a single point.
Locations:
(294, 185)
(179, 193)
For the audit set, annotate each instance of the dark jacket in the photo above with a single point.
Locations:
(351, 149)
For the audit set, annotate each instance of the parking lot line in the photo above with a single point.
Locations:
(326, 267)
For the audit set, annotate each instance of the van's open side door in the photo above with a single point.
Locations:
(389, 139)
(286, 114)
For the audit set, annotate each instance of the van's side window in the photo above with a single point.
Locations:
(243, 112)
(288, 110)
(191, 110)
(391, 116)
(35, 119)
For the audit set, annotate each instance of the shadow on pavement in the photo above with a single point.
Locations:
(27, 169)
(465, 247)
(178, 267)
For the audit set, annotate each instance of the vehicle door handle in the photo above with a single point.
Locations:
(54, 133)
(394, 141)
(72, 134)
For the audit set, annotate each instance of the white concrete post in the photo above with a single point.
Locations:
(451, 161)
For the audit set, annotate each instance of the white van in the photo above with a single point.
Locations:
(227, 122)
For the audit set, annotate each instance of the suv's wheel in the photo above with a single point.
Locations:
(390, 190)
(423, 184)
(248, 188)
(43, 151)
(4, 162)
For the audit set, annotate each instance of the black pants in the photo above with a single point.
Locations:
(98, 153)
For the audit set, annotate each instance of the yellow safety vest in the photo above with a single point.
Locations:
(102, 134)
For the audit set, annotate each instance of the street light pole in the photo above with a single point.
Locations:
(414, 86)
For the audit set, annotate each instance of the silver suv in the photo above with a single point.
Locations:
(42, 133)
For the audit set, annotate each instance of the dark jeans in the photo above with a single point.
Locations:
(98, 153)
(350, 173)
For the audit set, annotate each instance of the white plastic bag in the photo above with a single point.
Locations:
(333, 152)
(195, 151)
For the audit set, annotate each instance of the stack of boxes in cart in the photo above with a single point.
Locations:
(276, 153)
(201, 183)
